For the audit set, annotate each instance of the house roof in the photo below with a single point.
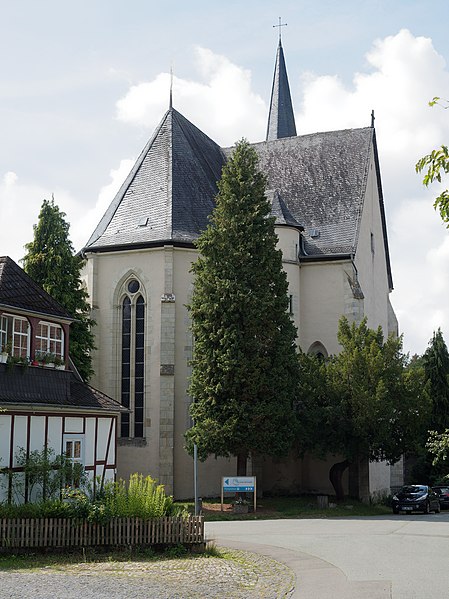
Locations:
(18, 290)
(46, 387)
(170, 191)
(281, 119)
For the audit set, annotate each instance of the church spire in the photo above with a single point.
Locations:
(281, 120)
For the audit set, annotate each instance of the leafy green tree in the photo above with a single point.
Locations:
(438, 447)
(436, 368)
(51, 262)
(366, 403)
(435, 165)
(244, 367)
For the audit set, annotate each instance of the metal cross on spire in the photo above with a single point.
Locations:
(280, 25)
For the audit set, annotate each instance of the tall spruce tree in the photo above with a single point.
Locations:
(51, 262)
(244, 367)
(436, 367)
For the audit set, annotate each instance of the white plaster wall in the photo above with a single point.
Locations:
(37, 433)
(103, 434)
(323, 289)
(379, 479)
(5, 435)
(73, 425)
(20, 434)
(370, 257)
(55, 434)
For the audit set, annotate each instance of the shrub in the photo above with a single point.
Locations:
(141, 497)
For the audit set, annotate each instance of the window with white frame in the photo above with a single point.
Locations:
(3, 333)
(73, 450)
(50, 339)
(15, 335)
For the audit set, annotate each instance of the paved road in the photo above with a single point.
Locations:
(397, 557)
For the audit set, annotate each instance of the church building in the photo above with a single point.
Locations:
(326, 195)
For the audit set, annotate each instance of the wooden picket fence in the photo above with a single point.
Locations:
(65, 532)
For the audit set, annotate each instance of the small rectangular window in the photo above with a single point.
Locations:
(73, 450)
(290, 304)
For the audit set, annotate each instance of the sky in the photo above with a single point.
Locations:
(84, 84)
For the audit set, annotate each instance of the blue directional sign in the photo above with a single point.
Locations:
(239, 484)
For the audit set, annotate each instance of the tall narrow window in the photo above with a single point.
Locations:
(126, 363)
(139, 368)
(133, 361)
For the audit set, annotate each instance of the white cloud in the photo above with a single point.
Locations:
(9, 178)
(223, 105)
(85, 225)
(20, 205)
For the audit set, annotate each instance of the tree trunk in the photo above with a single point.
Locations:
(335, 476)
(242, 459)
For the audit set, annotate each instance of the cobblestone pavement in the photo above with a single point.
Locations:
(237, 575)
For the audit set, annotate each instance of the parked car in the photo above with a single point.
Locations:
(416, 498)
(443, 495)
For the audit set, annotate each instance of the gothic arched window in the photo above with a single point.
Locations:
(133, 360)
(317, 349)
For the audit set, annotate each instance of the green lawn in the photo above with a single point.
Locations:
(290, 507)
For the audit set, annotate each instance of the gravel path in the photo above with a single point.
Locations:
(238, 575)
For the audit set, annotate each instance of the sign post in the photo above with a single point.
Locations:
(238, 484)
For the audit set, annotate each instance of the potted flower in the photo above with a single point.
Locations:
(49, 360)
(39, 358)
(4, 353)
(240, 506)
(59, 363)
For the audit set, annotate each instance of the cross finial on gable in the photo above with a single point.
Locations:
(372, 118)
(280, 25)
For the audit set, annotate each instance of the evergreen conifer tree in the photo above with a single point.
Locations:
(244, 374)
(51, 262)
(436, 367)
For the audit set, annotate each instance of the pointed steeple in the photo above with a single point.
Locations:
(281, 120)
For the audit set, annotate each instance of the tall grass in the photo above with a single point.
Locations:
(140, 497)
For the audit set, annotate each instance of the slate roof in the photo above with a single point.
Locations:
(170, 191)
(18, 290)
(280, 211)
(281, 119)
(322, 179)
(50, 388)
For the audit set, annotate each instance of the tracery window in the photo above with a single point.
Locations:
(133, 360)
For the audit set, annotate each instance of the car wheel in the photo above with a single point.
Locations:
(395, 510)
